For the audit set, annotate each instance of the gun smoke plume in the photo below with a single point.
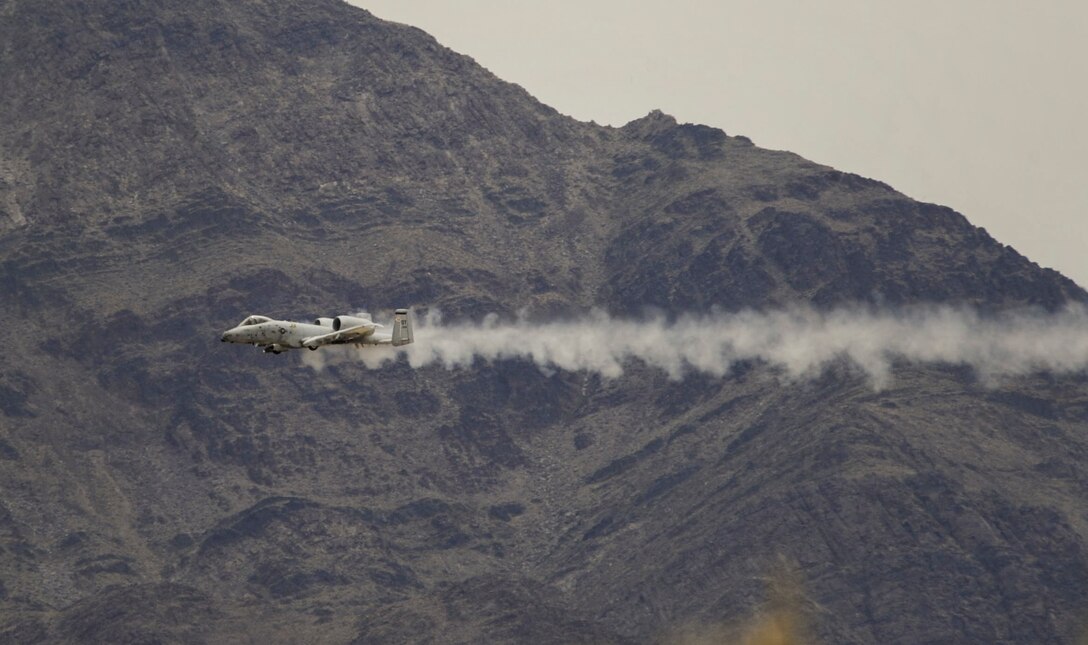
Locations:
(802, 342)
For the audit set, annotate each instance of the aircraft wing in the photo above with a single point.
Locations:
(349, 335)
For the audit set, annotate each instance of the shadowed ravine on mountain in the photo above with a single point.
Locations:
(167, 168)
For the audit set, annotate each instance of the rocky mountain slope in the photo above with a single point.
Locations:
(169, 167)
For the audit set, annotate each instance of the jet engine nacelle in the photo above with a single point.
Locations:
(347, 322)
(324, 322)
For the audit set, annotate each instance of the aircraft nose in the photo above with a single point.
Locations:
(225, 337)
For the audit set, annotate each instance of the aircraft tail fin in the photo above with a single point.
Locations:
(402, 328)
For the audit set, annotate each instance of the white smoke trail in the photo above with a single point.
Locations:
(801, 342)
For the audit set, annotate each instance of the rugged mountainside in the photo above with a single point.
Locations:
(168, 167)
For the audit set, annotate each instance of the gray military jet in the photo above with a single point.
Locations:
(276, 336)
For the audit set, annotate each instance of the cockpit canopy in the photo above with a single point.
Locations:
(254, 320)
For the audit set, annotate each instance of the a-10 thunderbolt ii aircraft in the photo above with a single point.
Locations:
(277, 336)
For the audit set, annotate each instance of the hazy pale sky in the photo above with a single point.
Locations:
(980, 105)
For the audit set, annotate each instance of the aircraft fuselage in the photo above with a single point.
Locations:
(284, 333)
(276, 336)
